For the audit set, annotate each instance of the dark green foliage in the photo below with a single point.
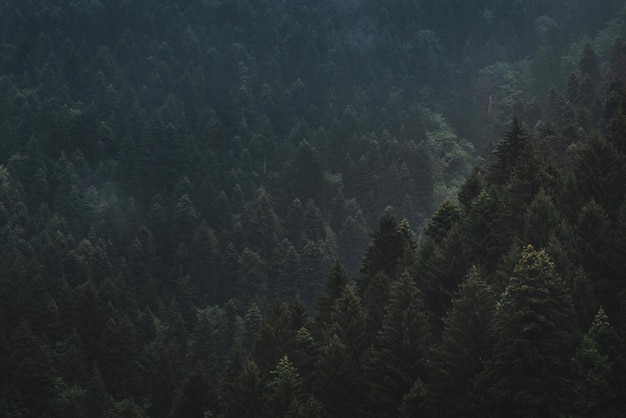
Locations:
(484, 234)
(336, 382)
(597, 367)
(214, 162)
(471, 188)
(533, 331)
(442, 220)
(349, 322)
(439, 270)
(508, 153)
(243, 395)
(389, 244)
(459, 359)
(285, 388)
(589, 64)
(30, 373)
(584, 298)
(599, 170)
(541, 220)
(399, 352)
(334, 287)
(195, 397)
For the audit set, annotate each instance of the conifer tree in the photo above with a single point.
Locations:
(541, 220)
(382, 264)
(195, 396)
(440, 270)
(599, 170)
(471, 188)
(597, 383)
(533, 331)
(337, 382)
(583, 298)
(508, 153)
(589, 64)
(285, 387)
(243, 395)
(336, 281)
(389, 243)
(399, 353)
(442, 221)
(30, 373)
(465, 345)
(348, 321)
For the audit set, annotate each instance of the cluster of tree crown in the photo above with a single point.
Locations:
(188, 192)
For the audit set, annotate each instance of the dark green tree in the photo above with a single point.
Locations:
(442, 221)
(31, 374)
(400, 351)
(337, 382)
(584, 298)
(348, 321)
(439, 270)
(285, 387)
(534, 332)
(508, 153)
(336, 281)
(597, 367)
(599, 169)
(589, 64)
(195, 397)
(389, 244)
(464, 348)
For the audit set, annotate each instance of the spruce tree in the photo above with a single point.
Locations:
(400, 351)
(465, 345)
(333, 288)
(508, 153)
(348, 321)
(337, 382)
(285, 386)
(533, 331)
(243, 395)
(597, 366)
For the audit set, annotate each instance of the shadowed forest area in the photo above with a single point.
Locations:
(331, 208)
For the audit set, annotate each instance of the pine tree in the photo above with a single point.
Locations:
(336, 281)
(348, 321)
(195, 396)
(599, 170)
(541, 220)
(471, 188)
(399, 353)
(442, 221)
(465, 345)
(30, 372)
(285, 387)
(243, 396)
(589, 64)
(583, 298)
(508, 152)
(484, 234)
(391, 246)
(533, 331)
(440, 269)
(336, 381)
(389, 243)
(119, 355)
(597, 383)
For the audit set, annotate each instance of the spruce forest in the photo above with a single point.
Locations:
(330, 208)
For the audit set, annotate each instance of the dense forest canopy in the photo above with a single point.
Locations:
(312, 208)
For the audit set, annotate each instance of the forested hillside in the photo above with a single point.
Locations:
(312, 208)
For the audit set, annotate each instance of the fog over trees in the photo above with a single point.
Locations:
(325, 208)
